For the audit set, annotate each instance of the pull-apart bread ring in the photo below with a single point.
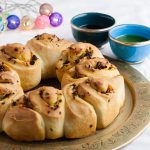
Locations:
(91, 97)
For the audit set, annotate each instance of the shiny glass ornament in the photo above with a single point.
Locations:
(46, 9)
(42, 22)
(27, 23)
(56, 19)
(13, 22)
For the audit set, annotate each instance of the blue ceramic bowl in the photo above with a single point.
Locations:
(92, 27)
(130, 52)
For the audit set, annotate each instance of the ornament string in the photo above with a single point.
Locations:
(10, 5)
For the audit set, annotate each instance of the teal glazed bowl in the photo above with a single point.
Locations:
(92, 27)
(132, 52)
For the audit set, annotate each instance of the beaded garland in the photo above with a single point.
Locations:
(46, 18)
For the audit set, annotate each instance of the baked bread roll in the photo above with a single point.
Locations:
(10, 89)
(80, 117)
(24, 62)
(92, 95)
(94, 67)
(8, 75)
(105, 95)
(38, 115)
(73, 55)
(49, 102)
(22, 123)
(48, 48)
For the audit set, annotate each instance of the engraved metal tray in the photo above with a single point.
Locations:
(134, 117)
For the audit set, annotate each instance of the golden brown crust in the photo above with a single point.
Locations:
(40, 115)
(8, 75)
(8, 94)
(73, 55)
(49, 102)
(24, 124)
(48, 48)
(94, 67)
(10, 89)
(17, 50)
(105, 95)
(24, 62)
(80, 117)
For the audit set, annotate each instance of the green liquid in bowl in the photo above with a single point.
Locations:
(132, 38)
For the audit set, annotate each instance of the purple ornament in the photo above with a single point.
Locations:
(13, 22)
(56, 19)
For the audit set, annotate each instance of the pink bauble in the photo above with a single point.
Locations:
(42, 22)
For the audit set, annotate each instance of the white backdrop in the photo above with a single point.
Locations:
(124, 11)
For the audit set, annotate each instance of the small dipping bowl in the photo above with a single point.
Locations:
(92, 27)
(132, 52)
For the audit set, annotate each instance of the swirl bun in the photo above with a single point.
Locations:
(49, 102)
(17, 50)
(73, 55)
(22, 123)
(48, 48)
(97, 67)
(24, 62)
(8, 75)
(105, 95)
(80, 119)
(40, 114)
(10, 89)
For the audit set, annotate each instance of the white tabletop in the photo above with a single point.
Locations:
(127, 11)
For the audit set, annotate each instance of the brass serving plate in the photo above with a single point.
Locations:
(134, 117)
